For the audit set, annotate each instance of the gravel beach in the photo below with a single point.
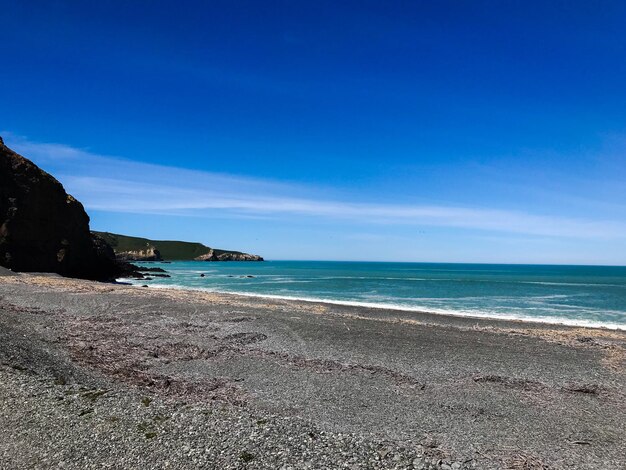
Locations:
(96, 375)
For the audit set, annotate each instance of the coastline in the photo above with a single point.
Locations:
(401, 308)
(386, 388)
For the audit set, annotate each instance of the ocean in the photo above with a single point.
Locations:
(572, 295)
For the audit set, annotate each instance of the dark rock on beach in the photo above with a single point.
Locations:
(6, 272)
(44, 229)
(152, 270)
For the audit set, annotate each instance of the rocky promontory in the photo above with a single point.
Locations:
(129, 248)
(214, 255)
(44, 229)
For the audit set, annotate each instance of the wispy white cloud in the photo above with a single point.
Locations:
(113, 184)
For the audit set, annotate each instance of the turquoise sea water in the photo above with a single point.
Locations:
(576, 295)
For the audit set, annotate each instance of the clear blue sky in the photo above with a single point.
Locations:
(419, 131)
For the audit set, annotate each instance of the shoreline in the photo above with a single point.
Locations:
(394, 307)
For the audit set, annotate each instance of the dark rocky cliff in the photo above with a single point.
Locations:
(42, 228)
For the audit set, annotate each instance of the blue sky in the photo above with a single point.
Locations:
(418, 131)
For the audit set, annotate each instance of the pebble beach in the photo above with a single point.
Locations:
(98, 375)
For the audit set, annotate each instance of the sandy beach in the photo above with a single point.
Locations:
(97, 375)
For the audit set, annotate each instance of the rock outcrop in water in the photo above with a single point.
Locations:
(212, 255)
(44, 229)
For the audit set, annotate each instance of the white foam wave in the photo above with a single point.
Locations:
(414, 308)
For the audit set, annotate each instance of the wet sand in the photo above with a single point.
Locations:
(395, 389)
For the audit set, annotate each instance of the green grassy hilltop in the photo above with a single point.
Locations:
(169, 249)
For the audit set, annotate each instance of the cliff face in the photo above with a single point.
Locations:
(149, 254)
(42, 228)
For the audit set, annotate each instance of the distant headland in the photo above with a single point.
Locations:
(143, 249)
